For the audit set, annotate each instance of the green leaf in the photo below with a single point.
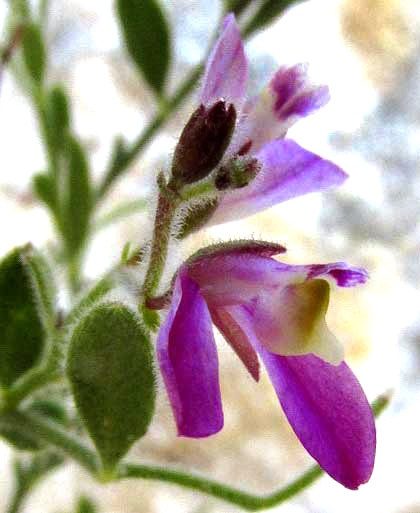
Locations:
(24, 440)
(43, 284)
(146, 35)
(85, 505)
(111, 374)
(34, 52)
(88, 300)
(57, 106)
(236, 6)
(44, 188)
(120, 212)
(19, 440)
(268, 12)
(21, 326)
(77, 203)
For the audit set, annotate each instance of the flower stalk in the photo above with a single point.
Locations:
(168, 203)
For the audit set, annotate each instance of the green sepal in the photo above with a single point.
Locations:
(197, 217)
(111, 373)
(150, 317)
(33, 48)
(146, 35)
(26, 311)
(78, 197)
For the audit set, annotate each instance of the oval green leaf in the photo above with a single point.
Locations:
(146, 36)
(111, 373)
(34, 51)
(77, 206)
(21, 326)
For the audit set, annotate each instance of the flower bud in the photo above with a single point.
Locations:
(202, 143)
(237, 173)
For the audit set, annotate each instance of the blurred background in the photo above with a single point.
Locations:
(367, 51)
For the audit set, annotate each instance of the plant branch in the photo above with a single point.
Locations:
(53, 435)
(72, 447)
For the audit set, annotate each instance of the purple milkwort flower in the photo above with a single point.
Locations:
(277, 311)
(286, 169)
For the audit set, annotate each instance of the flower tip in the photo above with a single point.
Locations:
(202, 431)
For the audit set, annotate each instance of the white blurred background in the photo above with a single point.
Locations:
(367, 51)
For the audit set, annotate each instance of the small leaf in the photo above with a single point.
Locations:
(57, 109)
(120, 212)
(146, 35)
(43, 285)
(85, 505)
(34, 51)
(77, 205)
(90, 298)
(236, 6)
(111, 373)
(21, 327)
(19, 440)
(44, 189)
(268, 12)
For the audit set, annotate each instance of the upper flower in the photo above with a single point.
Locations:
(276, 168)
(265, 307)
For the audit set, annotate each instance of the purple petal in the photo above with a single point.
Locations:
(343, 274)
(235, 278)
(293, 96)
(227, 67)
(236, 338)
(188, 361)
(287, 171)
(326, 408)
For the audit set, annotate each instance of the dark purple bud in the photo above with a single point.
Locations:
(203, 143)
(237, 173)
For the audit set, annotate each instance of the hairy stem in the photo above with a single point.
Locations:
(72, 447)
(53, 435)
(168, 202)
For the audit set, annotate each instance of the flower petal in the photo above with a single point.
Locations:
(288, 170)
(236, 277)
(291, 321)
(326, 408)
(294, 97)
(188, 361)
(236, 338)
(226, 72)
(288, 97)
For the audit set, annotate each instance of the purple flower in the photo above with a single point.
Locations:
(277, 311)
(287, 170)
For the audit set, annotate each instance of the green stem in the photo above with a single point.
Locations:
(30, 382)
(246, 500)
(52, 434)
(168, 202)
(19, 495)
(151, 129)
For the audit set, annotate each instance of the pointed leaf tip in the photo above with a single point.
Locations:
(112, 378)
